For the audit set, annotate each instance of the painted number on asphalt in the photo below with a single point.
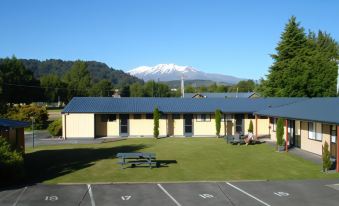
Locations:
(51, 198)
(281, 194)
(126, 197)
(206, 196)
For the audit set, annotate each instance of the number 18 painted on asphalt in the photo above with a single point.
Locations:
(51, 198)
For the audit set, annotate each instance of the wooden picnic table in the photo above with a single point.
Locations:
(137, 158)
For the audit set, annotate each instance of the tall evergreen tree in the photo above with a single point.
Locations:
(78, 79)
(287, 63)
(304, 66)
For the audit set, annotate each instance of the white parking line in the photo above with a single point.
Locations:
(248, 194)
(91, 194)
(17, 199)
(169, 195)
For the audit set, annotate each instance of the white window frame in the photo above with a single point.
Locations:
(203, 118)
(311, 131)
(315, 133)
(318, 131)
(333, 137)
(274, 124)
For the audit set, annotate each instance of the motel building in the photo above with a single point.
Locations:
(309, 122)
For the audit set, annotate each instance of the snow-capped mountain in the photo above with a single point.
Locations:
(169, 72)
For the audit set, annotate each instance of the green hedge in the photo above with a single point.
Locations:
(11, 163)
(55, 128)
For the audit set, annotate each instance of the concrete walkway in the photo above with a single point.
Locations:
(299, 152)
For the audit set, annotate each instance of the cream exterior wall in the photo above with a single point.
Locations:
(178, 125)
(78, 125)
(273, 133)
(311, 145)
(263, 126)
(144, 127)
(204, 128)
(107, 129)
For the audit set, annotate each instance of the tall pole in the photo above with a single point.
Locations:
(33, 130)
(182, 87)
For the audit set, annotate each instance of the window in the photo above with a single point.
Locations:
(203, 118)
(149, 116)
(311, 130)
(315, 131)
(333, 134)
(318, 131)
(176, 116)
(104, 117)
(108, 117)
(274, 124)
(250, 116)
(136, 116)
(112, 117)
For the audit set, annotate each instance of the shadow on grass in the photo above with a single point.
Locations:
(48, 164)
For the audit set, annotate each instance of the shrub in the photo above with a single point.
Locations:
(11, 163)
(25, 112)
(250, 127)
(280, 132)
(326, 157)
(217, 122)
(55, 128)
(156, 117)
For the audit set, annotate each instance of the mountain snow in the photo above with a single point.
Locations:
(169, 72)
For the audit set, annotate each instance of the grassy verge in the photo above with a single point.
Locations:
(198, 159)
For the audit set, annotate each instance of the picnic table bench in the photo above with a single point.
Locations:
(137, 158)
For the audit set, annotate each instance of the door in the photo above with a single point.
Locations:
(297, 134)
(229, 127)
(124, 119)
(170, 125)
(291, 136)
(188, 125)
(239, 123)
(333, 145)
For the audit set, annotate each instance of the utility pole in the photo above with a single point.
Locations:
(32, 118)
(182, 87)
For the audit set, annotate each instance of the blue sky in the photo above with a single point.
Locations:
(229, 37)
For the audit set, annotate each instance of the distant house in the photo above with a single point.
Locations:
(13, 132)
(222, 95)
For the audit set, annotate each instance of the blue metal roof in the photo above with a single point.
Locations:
(13, 123)
(315, 109)
(173, 105)
(222, 95)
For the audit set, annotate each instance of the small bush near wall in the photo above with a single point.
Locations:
(326, 158)
(217, 122)
(250, 127)
(11, 164)
(280, 132)
(156, 117)
(55, 128)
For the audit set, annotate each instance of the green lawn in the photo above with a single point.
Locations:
(198, 159)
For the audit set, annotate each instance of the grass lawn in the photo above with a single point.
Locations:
(198, 159)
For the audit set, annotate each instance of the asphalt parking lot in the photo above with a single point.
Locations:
(315, 192)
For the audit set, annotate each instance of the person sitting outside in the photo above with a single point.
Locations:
(249, 138)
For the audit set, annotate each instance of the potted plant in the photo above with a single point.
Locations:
(280, 134)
